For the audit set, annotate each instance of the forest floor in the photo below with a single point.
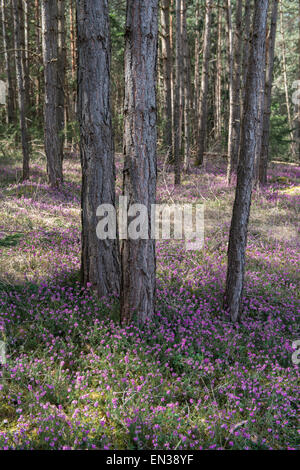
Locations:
(74, 379)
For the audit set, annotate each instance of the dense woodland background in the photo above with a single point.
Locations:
(181, 40)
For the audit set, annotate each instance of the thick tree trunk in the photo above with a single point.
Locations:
(139, 180)
(241, 208)
(99, 261)
(202, 124)
(264, 156)
(20, 73)
(50, 57)
(234, 113)
(10, 102)
(167, 72)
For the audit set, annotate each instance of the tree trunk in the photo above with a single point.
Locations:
(25, 47)
(10, 102)
(202, 126)
(197, 60)
(20, 73)
(61, 67)
(230, 80)
(241, 207)
(218, 85)
(297, 104)
(181, 79)
(38, 50)
(177, 121)
(99, 259)
(285, 81)
(172, 69)
(167, 71)
(72, 41)
(139, 176)
(72, 95)
(234, 112)
(261, 105)
(187, 89)
(246, 48)
(264, 157)
(50, 57)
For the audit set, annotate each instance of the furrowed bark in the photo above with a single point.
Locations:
(139, 175)
(99, 260)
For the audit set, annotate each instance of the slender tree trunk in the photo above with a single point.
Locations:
(285, 80)
(218, 85)
(20, 73)
(264, 157)
(26, 33)
(167, 71)
(177, 122)
(61, 68)
(297, 104)
(246, 47)
(230, 79)
(99, 260)
(241, 208)
(72, 41)
(38, 50)
(10, 102)
(197, 60)
(181, 79)
(72, 86)
(202, 124)
(187, 89)
(234, 112)
(50, 57)
(172, 70)
(139, 176)
(261, 105)
(25, 28)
